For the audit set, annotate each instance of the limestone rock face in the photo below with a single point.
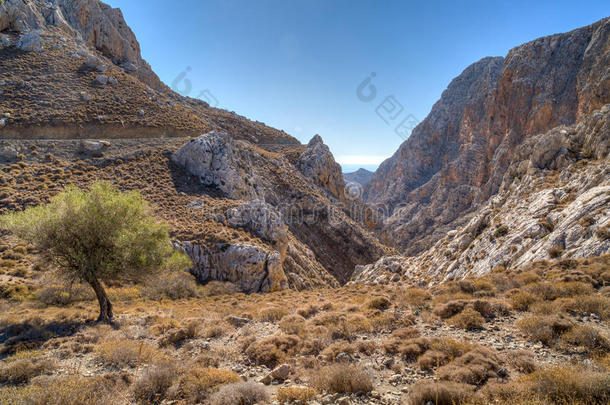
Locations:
(318, 164)
(456, 158)
(211, 158)
(263, 220)
(30, 42)
(90, 21)
(252, 268)
(553, 202)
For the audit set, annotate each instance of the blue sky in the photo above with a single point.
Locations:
(296, 65)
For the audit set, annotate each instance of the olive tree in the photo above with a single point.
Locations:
(95, 236)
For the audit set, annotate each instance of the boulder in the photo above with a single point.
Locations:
(4, 40)
(281, 372)
(30, 42)
(92, 148)
(210, 157)
(101, 80)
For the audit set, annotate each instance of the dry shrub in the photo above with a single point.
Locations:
(152, 384)
(336, 348)
(573, 288)
(178, 336)
(380, 303)
(527, 278)
(449, 309)
(367, 347)
(214, 288)
(568, 384)
(468, 319)
(390, 320)
(342, 378)
(483, 288)
(242, 393)
(474, 367)
(439, 393)
(432, 359)
(57, 292)
(272, 314)
(586, 336)
(588, 304)
(215, 331)
(172, 285)
(411, 349)
(21, 371)
(293, 394)
(555, 251)
(69, 390)
(162, 325)
(522, 301)
(544, 329)
(415, 297)
(198, 383)
(308, 311)
(273, 349)
(122, 352)
(293, 325)
(523, 361)
(451, 347)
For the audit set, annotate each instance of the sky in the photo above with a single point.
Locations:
(352, 71)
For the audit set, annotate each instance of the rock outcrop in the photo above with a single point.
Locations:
(251, 268)
(456, 158)
(211, 158)
(553, 202)
(89, 21)
(318, 164)
(278, 196)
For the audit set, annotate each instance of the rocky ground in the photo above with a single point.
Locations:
(357, 344)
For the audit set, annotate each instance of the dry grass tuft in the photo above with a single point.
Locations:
(198, 383)
(293, 394)
(439, 393)
(468, 319)
(242, 393)
(342, 378)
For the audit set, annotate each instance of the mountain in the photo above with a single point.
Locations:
(360, 176)
(73, 69)
(456, 158)
(248, 203)
(553, 203)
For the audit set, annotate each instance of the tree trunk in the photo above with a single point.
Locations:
(105, 304)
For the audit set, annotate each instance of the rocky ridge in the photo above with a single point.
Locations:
(456, 158)
(360, 176)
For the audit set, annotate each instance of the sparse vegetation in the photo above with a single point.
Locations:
(95, 236)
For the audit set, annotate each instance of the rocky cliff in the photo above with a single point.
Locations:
(553, 202)
(456, 158)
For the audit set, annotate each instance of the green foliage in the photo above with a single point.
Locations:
(103, 233)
